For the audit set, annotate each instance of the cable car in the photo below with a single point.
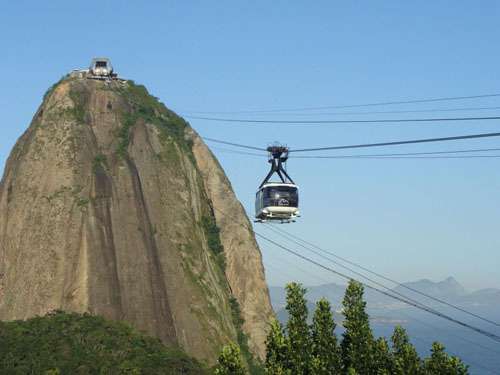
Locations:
(277, 201)
(101, 68)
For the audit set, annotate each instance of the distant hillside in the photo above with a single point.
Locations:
(488, 296)
(449, 290)
(61, 343)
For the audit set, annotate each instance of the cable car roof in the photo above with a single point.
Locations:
(268, 184)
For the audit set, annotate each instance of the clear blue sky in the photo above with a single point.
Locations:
(409, 219)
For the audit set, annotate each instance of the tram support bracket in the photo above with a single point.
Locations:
(277, 156)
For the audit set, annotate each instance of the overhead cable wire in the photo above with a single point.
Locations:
(291, 264)
(353, 271)
(326, 122)
(276, 230)
(375, 104)
(430, 110)
(360, 157)
(380, 144)
(426, 323)
(403, 157)
(298, 240)
(402, 153)
(406, 315)
(237, 151)
(419, 321)
(404, 299)
(423, 323)
(409, 316)
(377, 156)
(434, 327)
(233, 144)
(490, 335)
(388, 294)
(393, 281)
(397, 143)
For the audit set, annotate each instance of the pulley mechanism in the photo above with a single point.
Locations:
(278, 155)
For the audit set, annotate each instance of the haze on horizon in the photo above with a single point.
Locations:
(407, 219)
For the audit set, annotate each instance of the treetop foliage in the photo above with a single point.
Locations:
(303, 349)
(229, 362)
(69, 343)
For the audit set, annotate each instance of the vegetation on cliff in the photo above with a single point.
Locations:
(145, 107)
(63, 343)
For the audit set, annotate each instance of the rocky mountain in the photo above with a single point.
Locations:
(112, 204)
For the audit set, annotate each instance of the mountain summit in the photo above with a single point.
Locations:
(448, 288)
(112, 204)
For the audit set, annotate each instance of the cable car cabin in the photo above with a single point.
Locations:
(101, 68)
(277, 201)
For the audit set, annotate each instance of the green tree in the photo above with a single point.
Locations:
(440, 363)
(70, 343)
(276, 350)
(304, 350)
(357, 344)
(406, 359)
(383, 361)
(299, 340)
(325, 350)
(229, 362)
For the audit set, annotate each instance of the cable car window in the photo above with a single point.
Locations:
(101, 64)
(281, 196)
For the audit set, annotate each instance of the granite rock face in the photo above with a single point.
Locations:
(111, 204)
(244, 269)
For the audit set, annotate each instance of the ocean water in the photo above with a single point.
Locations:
(481, 353)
